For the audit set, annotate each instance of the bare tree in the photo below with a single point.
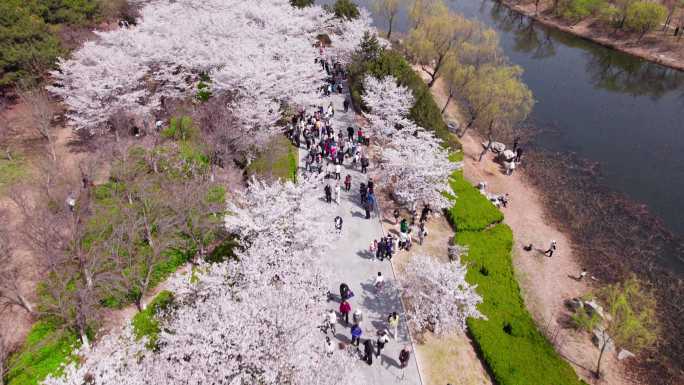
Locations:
(4, 355)
(41, 112)
(5, 129)
(10, 292)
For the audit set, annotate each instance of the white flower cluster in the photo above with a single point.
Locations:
(415, 163)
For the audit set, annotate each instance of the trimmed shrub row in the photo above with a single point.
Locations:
(512, 347)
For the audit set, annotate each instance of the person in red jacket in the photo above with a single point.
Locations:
(345, 309)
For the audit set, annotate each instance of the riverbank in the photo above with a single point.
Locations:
(654, 46)
(545, 282)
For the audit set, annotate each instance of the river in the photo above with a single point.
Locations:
(623, 112)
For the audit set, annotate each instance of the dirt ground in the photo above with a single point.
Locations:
(545, 282)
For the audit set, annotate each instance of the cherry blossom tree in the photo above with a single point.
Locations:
(389, 105)
(437, 296)
(251, 320)
(261, 51)
(416, 166)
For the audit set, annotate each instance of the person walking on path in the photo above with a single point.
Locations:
(404, 356)
(393, 321)
(403, 226)
(582, 274)
(383, 340)
(396, 216)
(552, 248)
(364, 164)
(345, 309)
(367, 209)
(337, 192)
(329, 348)
(356, 333)
(350, 133)
(368, 352)
(421, 233)
(425, 213)
(331, 320)
(346, 105)
(328, 193)
(338, 224)
(338, 170)
(379, 281)
(345, 293)
(357, 317)
(347, 182)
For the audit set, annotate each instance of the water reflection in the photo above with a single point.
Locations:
(607, 69)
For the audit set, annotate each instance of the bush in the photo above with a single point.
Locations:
(223, 252)
(424, 112)
(180, 128)
(472, 211)
(145, 323)
(75, 12)
(46, 348)
(346, 9)
(577, 10)
(27, 47)
(643, 16)
(280, 160)
(301, 3)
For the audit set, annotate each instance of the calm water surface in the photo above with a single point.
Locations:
(626, 113)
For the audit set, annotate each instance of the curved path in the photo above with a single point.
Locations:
(349, 261)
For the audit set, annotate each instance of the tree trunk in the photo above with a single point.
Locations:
(389, 31)
(451, 94)
(598, 364)
(138, 303)
(433, 79)
(489, 142)
(470, 123)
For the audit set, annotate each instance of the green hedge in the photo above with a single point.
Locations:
(473, 211)
(512, 347)
(46, 348)
(145, 324)
(425, 111)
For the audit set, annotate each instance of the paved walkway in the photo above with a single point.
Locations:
(350, 262)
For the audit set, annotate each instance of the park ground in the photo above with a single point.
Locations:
(545, 282)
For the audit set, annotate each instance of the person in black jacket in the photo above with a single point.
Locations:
(368, 352)
(328, 193)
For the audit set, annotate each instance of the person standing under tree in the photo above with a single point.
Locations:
(332, 320)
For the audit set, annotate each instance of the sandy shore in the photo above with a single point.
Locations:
(545, 282)
(654, 46)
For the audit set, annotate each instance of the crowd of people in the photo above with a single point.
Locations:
(333, 150)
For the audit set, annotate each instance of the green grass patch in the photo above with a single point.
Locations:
(46, 348)
(511, 345)
(472, 211)
(279, 160)
(11, 171)
(145, 323)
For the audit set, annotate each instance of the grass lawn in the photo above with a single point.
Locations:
(280, 160)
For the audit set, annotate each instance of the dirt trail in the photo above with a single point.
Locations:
(545, 282)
